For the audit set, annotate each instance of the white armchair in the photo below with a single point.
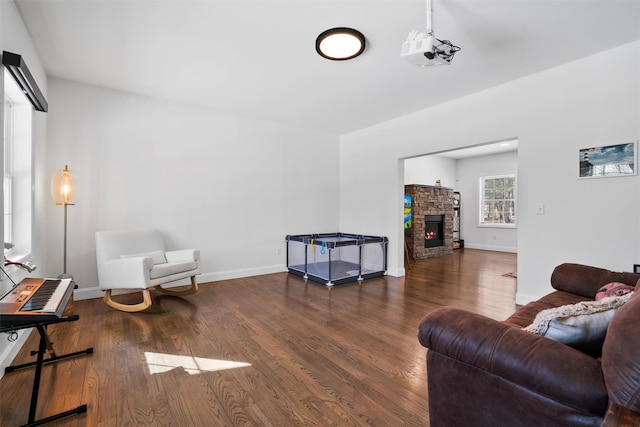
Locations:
(137, 259)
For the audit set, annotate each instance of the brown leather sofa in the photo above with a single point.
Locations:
(483, 372)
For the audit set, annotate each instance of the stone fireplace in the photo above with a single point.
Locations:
(431, 231)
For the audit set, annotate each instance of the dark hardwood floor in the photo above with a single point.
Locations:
(261, 351)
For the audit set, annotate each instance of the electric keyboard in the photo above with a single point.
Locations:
(35, 300)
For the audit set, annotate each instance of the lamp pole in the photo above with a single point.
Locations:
(64, 274)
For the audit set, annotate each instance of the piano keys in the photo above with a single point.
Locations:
(35, 300)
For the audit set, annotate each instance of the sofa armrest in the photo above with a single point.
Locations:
(183, 255)
(620, 365)
(125, 273)
(538, 364)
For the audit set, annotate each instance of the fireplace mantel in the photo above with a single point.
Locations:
(429, 200)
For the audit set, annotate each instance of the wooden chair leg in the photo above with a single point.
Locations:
(129, 308)
(183, 292)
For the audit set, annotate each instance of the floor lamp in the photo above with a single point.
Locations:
(62, 190)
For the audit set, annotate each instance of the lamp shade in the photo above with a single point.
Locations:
(62, 187)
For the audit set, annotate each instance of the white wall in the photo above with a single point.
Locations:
(469, 172)
(232, 187)
(228, 171)
(590, 102)
(425, 170)
(15, 38)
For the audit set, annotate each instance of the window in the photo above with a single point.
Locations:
(17, 176)
(498, 201)
(8, 172)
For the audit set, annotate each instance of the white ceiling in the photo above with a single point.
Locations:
(258, 59)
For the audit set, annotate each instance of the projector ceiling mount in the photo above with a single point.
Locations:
(424, 50)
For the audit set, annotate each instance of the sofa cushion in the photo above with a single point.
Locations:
(525, 315)
(582, 325)
(156, 256)
(168, 269)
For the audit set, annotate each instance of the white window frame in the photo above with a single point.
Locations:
(17, 171)
(7, 170)
(506, 204)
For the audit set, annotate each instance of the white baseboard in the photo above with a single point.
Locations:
(397, 272)
(12, 348)
(237, 274)
(491, 248)
(95, 292)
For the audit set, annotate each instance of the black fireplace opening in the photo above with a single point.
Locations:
(433, 230)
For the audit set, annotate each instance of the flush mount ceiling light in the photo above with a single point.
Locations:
(340, 44)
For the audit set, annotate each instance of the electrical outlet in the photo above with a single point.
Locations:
(279, 250)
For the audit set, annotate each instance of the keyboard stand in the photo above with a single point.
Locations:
(45, 345)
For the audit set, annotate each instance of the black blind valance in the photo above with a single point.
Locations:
(18, 69)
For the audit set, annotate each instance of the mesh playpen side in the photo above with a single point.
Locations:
(336, 258)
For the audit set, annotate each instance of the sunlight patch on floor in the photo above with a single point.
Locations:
(160, 362)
